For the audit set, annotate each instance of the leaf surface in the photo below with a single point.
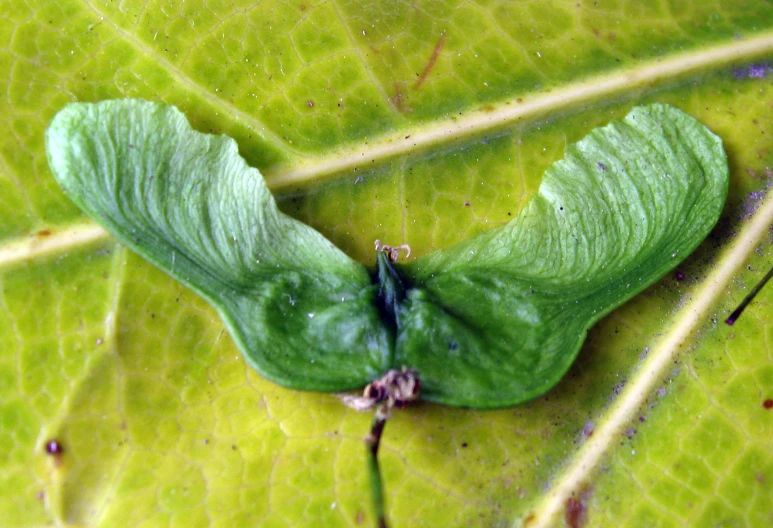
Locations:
(161, 420)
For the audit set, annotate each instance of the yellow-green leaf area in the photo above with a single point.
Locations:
(704, 451)
(163, 423)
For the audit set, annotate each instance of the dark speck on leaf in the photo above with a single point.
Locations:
(768, 404)
(54, 448)
(679, 276)
(466, 204)
(601, 166)
(310, 104)
(464, 444)
(452, 345)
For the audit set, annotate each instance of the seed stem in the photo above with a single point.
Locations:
(372, 442)
(396, 388)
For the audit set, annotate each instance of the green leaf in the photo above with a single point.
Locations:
(303, 312)
(660, 421)
(492, 321)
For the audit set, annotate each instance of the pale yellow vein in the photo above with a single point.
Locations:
(512, 111)
(49, 242)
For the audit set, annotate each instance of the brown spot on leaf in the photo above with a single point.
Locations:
(431, 63)
(575, 513)
(398, 101)
(768, 404)
(576, 508)
(588, 428)
(43, 233)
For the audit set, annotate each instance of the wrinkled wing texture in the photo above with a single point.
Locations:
(301, 310)
(498, 319)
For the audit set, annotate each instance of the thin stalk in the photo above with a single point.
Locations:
(749, 298)
(396, 388)
(372, 441)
